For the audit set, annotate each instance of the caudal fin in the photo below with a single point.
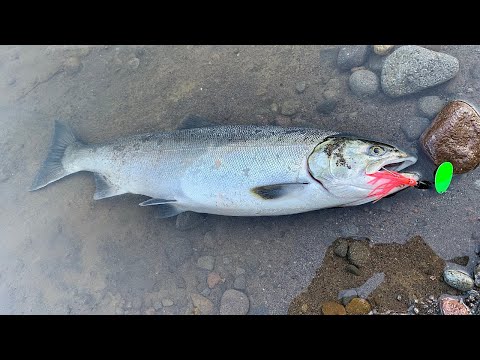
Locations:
(52, 168)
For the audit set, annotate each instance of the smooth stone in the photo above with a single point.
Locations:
(213, 279)
(327, 103)
(345, 296)
(370, 285)
(234, 302)
(476, 273)
(204, 305)
(72, 65)
(410, 69)
(364, 83)
(341, 249)
(414, 126)
(351, 56)
(382, 49)
(240, 283)
(167, 302)
(300, 86)
(206, 262)
(454, 135)
(458, 279)
(358, 253)
(430, 106)
(133, 63)
(375, 63)
(352, 269)
(333, 308)
(358, 306)
(290, 107)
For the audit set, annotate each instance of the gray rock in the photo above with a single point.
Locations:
(458, 279)
(157, 305)
(375, 63)
(358, 253)
(342, 248)
(205, 292)
(167, 302)
(327, 102)
(352, 269)
(290, 107)
(239, 271)
(410, 69)
(477, 275)
(413, 127)
(133, 63)
(300, 86)
(274, 107)
(351, 56)
(370, 285)
(206, 262)
(364, 83)
(240, 283)
(349, 229)
(328, 57)
(430, 106)
(234, 302)
(72, 65)
(178, 250)
(188, 220)
(203, 305)
(346, 295)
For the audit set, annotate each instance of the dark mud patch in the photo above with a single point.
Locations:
(412, 271)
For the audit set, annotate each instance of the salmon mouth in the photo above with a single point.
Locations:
(392, 164)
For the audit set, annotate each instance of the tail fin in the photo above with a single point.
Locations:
(52, 168)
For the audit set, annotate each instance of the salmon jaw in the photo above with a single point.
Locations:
(392, 179)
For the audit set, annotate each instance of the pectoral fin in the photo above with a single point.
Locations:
(155, 202)
(276, 191)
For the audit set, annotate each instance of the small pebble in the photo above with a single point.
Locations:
(203, 305)
(430, 106)
(352, 55)
(458, 279)
(477, 275)
(451, 305)
(234, 302)
(213, 279)
(342, 248)
(353, 270)
(364, 83)
(240, 283)
(358, 306)
(290, 107)
(345, 296)
(133, 63)
(300, 86)
(206, 262)
(72, 65)
(167, 302)
(358, 253)
(274, 107)
(382, 49)
(399, 297)
(150, 311)
(239, 271)
(414, 126)
(333, 308)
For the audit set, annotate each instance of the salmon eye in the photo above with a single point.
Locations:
(376, 150)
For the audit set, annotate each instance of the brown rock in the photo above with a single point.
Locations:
(202, 305)
(358, 306)
(213, 279)
(333, 308)
(452, 306)
(454, 136)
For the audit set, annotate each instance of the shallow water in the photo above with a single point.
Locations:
(62, 252)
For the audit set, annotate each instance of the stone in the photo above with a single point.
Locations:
(206, 262)
(133, 63)
(203, 305)
(414, 126)
(167, 302)
(364, 83)
(327, 103)
(188, 220)
(375, 63)
(300, 87)
(410, 69)
(157, 305)
(452, 305)
(72, 65)
(454, 135)
(351, 56)
(213, 279)
(430, 106)
(358, 253)
(345, 296)
(274, 107)
(240, 283)
(358, 306)
(239, 271)
(352, 269)
(342, 248)
(333, 308)
(458, 279)
(370, 285)
(194, 121)
(382, 49)
(290, 107)
(150, 311)
(234, 302)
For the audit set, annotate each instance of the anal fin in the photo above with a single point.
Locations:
(104, 188)
(275, 191)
